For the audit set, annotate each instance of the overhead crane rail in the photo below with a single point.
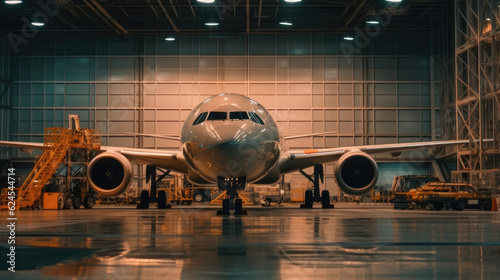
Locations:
(57, 142)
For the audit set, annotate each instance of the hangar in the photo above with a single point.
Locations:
(342, 73)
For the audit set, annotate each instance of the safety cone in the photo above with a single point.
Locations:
(494, 206)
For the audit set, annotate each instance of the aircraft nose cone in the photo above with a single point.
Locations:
(232, 150)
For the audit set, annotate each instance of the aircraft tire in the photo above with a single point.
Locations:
(309, 199)
(325, 199)
(144, 204)
(162, 200)
(238, 206)
(225, 207)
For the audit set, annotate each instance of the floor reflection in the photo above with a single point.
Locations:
(266, 244)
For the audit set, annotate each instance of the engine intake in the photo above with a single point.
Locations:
(109, 173)
(356, 172)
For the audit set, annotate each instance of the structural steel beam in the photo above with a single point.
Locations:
(168, 16)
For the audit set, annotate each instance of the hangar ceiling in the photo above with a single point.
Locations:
(234, 16)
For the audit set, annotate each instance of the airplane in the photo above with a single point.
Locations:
(231, 140)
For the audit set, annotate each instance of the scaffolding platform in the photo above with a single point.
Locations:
(58, 142)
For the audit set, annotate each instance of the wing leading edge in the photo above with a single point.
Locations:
(172, 160)
(26, 147)
(296, 160)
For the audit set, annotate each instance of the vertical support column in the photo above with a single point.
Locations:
(432, 93)
(477, 36)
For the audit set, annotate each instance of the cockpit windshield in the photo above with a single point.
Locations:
(255, 118)
(214, 116)
(221, 116)
(238, 115)
(201, 118)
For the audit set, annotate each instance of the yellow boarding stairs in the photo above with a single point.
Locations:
(57, 141)
(221, 196)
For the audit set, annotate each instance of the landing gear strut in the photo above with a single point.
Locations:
(231, 185)
(311, 197)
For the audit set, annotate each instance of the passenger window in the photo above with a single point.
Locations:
(200, 118)
(238, 115)
(217, 116)
(255, 118)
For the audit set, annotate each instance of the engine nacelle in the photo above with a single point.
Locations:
(356, 172)
(109, 173)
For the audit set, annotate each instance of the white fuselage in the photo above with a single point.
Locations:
(229, 136)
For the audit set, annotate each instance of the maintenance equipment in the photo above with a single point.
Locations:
(64, 149)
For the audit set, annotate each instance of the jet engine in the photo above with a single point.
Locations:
(109, 173)
(356, 172)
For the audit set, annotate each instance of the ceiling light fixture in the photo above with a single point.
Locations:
(38, 23)
(372, 21)
(211, 23)
(348, 38)
(394, 1)
(293, 1)
(488, 19)
(286, 23)
(170, 38)
(206, 1)
(12, 2)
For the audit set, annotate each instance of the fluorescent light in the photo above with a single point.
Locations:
(38, 23)
(286, 23)
(371, 21)
(206, 1)
(348, 38)
(12, 2)
(488, 19)
(211, 23)
(292, 1)
(393, 1)
(170, 39)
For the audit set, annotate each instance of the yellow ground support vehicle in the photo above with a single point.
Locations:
(436, 196)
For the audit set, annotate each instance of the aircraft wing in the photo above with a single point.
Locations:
(26, 147)
(172, 160)
(300, 159)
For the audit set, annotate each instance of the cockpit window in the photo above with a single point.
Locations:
(213, 116)
(255, 118)
(238, 115)
(201, 118)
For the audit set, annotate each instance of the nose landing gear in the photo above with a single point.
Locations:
(231, 186)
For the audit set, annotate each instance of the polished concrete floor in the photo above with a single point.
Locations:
(348, 242)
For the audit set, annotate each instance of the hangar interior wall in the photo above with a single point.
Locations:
(382, 92)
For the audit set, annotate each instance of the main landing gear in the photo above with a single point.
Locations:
(311, 197)
(231, 186)
(146, 197)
